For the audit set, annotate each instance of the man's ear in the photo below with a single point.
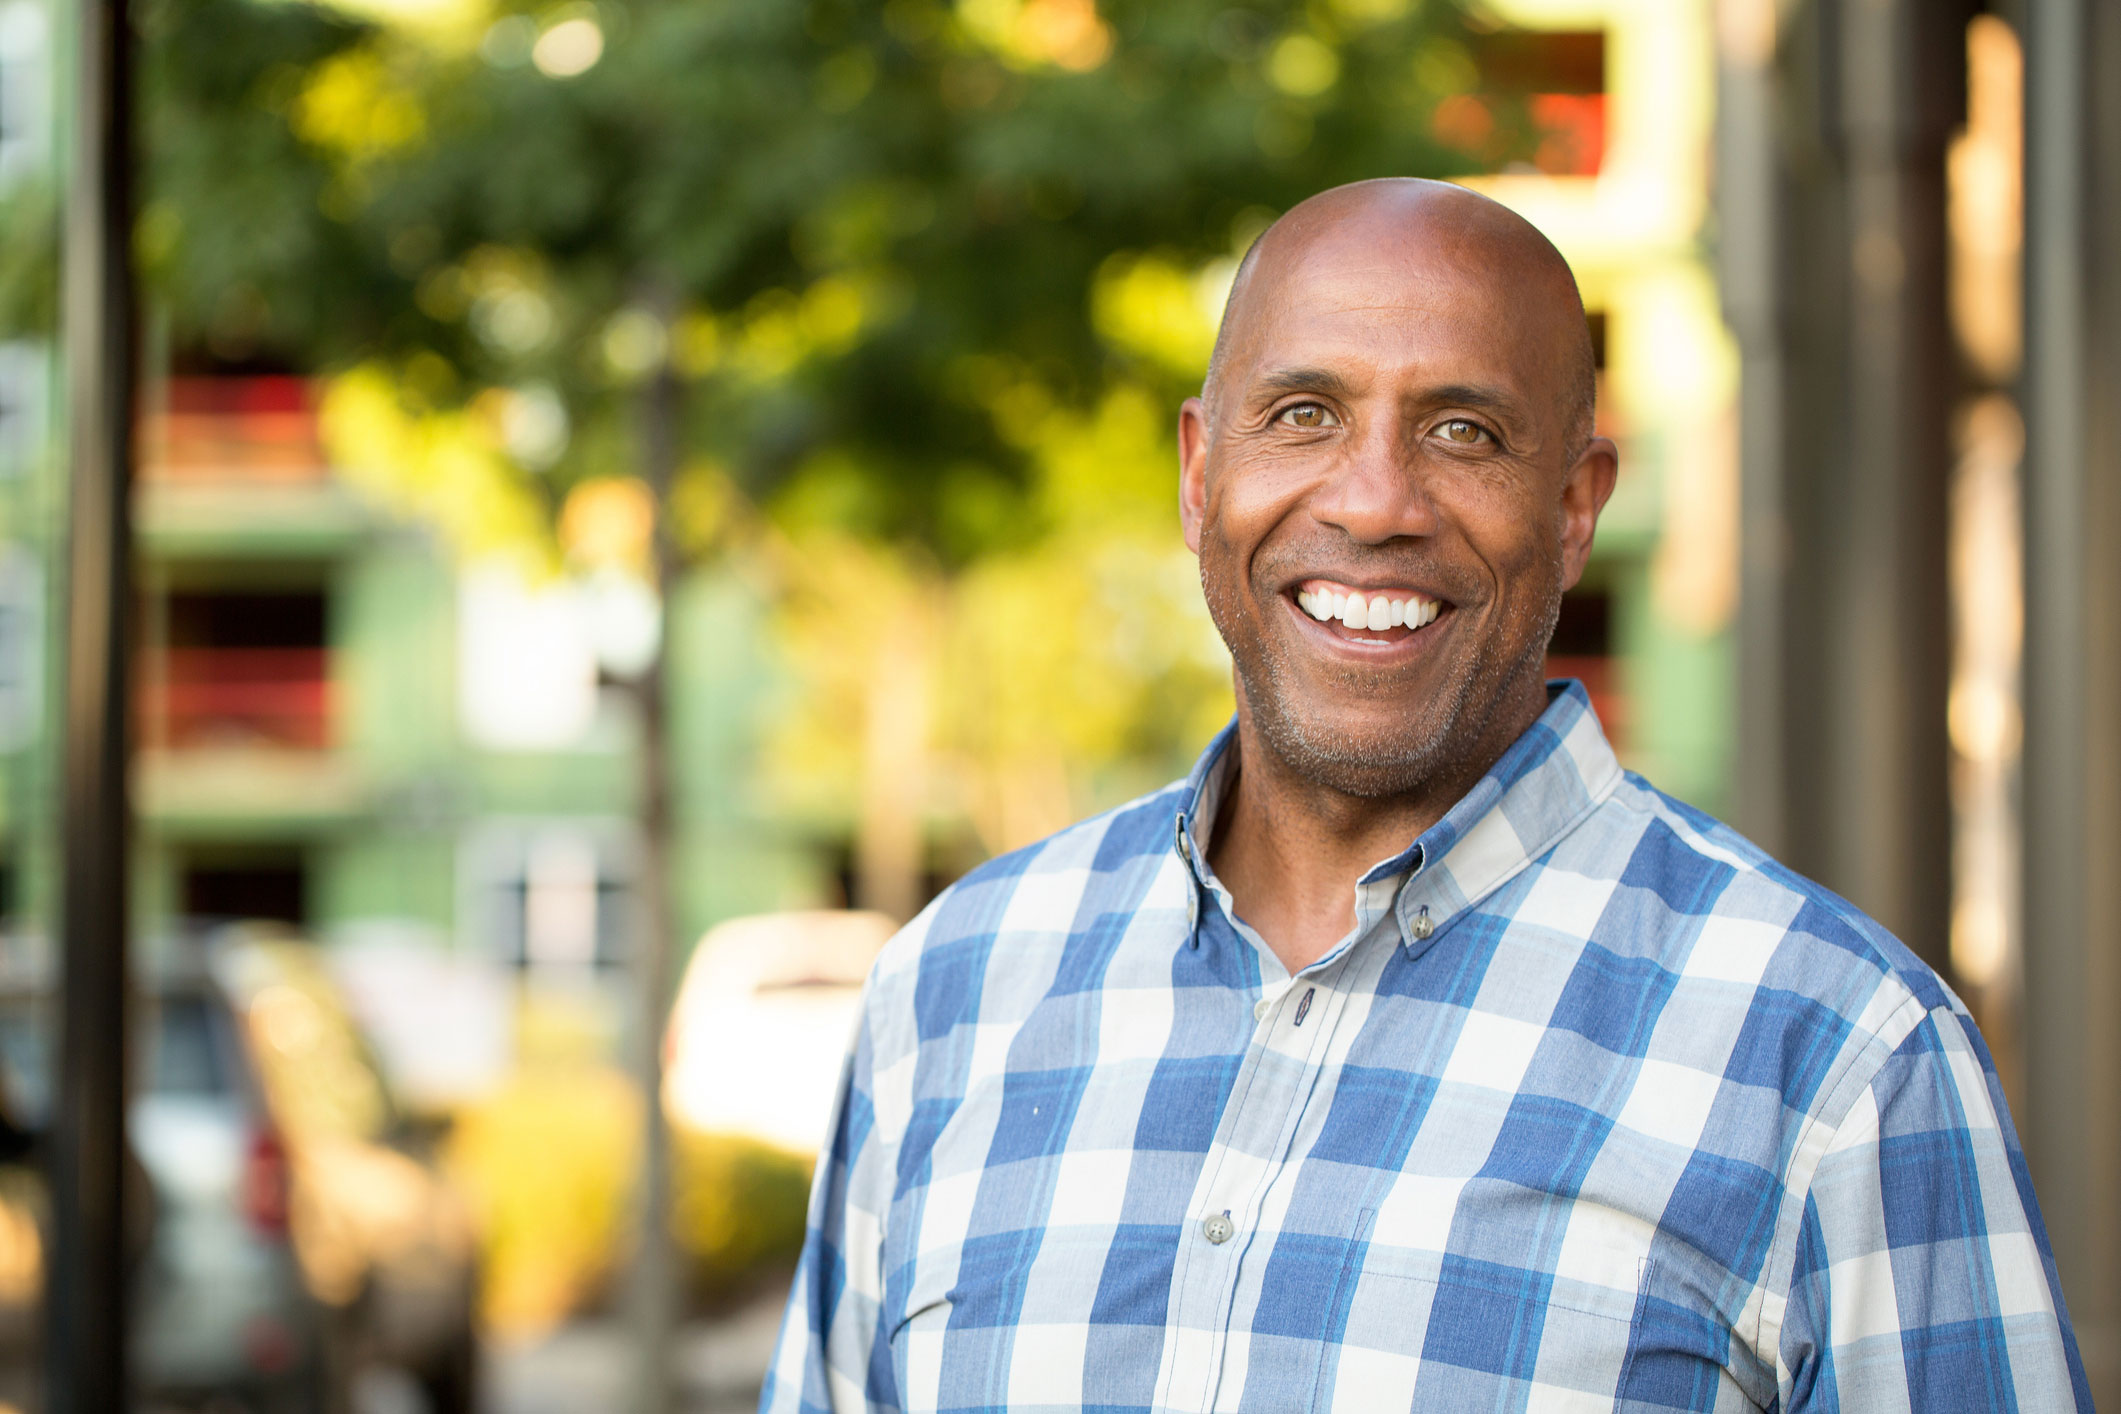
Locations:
(1583, 495)
(1192, 469)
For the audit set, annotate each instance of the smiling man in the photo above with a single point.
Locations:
(1411, 1055)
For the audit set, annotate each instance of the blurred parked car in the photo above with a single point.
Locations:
(23, 1215)
(220, 1308)
(383, 1240)
(762, 1022)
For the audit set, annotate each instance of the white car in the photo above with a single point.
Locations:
(762, 1022)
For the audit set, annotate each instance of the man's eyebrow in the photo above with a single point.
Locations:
(1324, 380)
(1302, 380)
(1472, 395)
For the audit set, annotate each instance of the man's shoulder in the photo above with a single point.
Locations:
(1738, 911)
(1100, 864)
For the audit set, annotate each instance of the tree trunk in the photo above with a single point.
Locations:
(655, 1294)
(888, 855)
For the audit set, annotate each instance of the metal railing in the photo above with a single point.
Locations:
(206, 697)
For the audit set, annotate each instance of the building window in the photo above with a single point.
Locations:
(1557, 78)
(21, 647)
(25, 90)
(242, 668)
(266, 884)
(1583, 648)
(551, 897)
(23, 388)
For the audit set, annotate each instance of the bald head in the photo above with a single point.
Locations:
(1399, 219)
(1401, 410)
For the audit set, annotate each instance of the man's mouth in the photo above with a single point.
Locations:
(1393, 613)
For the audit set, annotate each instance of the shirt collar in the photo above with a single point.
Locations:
(1552, 776)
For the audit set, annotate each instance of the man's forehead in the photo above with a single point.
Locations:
(1384, 300)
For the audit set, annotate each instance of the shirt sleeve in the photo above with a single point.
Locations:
(1923, 1279)
(834, 1354)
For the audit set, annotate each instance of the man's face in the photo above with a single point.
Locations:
(1390, 426)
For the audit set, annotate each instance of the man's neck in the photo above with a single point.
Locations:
(1291, 850)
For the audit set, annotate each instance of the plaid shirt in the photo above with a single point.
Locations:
(1596, 1108)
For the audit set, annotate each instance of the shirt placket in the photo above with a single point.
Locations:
(1295, 1022)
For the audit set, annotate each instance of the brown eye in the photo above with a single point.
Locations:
(1309, 415)
(1465, 433)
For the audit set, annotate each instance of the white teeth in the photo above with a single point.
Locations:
(1375, 613)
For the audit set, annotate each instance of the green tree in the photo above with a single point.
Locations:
(840, 225)
(918, 280)
(864, 264)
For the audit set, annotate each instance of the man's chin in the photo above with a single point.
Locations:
(1365, 760)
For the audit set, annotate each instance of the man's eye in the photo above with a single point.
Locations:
(1463, 432)
(1309, 415)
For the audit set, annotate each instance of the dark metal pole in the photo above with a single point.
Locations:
(86, 1313)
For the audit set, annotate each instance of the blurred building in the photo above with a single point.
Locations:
(338, 725)
(1624, 90)
(29, 482)
(342, 727)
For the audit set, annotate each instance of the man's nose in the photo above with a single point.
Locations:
(1378, 490)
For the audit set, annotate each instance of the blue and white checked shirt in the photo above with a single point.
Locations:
(1596, 1108)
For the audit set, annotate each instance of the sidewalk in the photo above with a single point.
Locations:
(585, 1367)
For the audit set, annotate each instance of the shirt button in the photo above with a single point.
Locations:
(1217, 1228)
(1260, 1009)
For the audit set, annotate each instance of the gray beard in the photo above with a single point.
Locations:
(1368, 769)
(1433, 745)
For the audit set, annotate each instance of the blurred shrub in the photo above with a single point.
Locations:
(549, 1164)
(552, 1162)
(737, 1212)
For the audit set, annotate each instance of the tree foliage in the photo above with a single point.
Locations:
(927, 278)
(871, 238)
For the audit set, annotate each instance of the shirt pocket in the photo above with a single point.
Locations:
(1434, 1331)
(1683, 1356)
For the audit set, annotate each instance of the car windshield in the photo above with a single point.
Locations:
(186, 1057)
(179, 1050)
